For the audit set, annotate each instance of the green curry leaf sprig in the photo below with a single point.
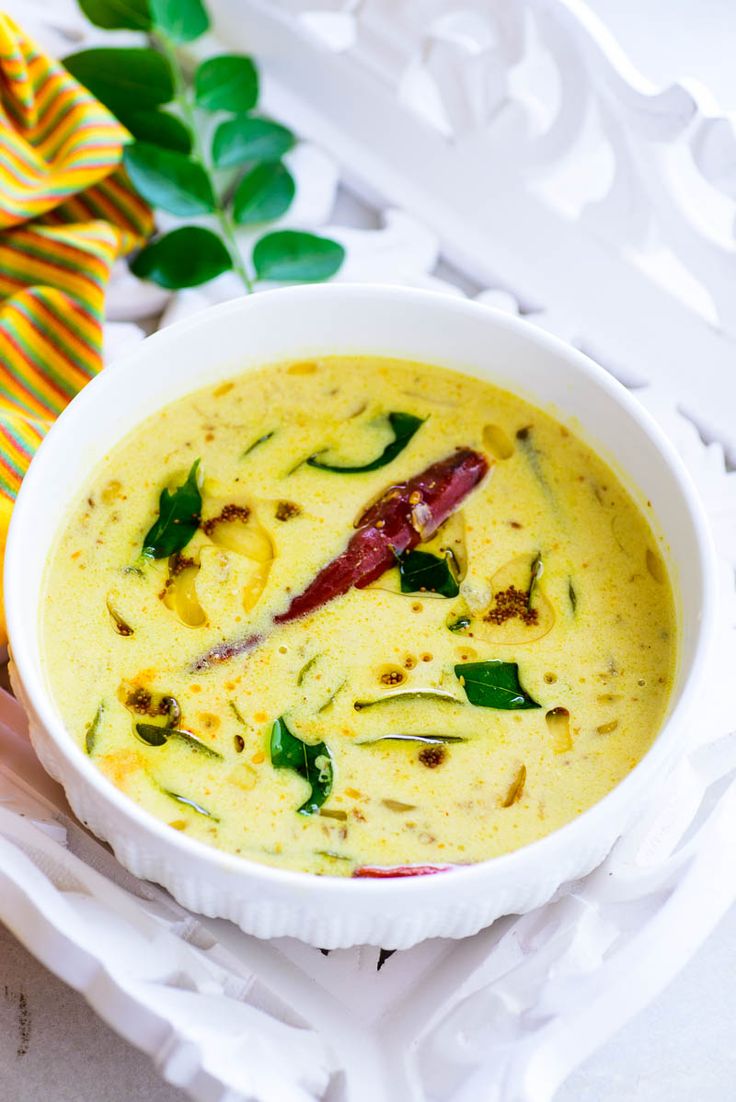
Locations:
(172, 167)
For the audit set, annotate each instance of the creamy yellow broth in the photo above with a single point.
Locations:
(594, 642)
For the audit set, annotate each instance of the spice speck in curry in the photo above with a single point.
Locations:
(372, 618)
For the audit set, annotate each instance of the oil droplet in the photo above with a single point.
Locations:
(498, 442)
(558, 723)
(655, 566)
(392, 676)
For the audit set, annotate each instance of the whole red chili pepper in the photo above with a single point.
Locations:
(405, 515)
(384, 872)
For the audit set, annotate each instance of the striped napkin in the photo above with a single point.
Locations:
(66, 213)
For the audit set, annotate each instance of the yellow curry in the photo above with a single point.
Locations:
(359, 616)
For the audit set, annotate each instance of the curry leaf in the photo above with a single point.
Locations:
(264, 193)
(226, 83)
(403, 425)
(90, 734)
(459, 623)
(306, 668)
(242, 139)
(178, 518)
(431, 740)
(526, 441)
(537, 569)
(169, 180)
(194, 743)
(116, 15)
(256, 443)
(159, 128)
(312, 761)
(494, 684)
(190, 804)
(121, 625)
(183, 258)
(181, 20)
(124, 79)
(294, 255)
(154, 735)
(422, 572)
(438, 695)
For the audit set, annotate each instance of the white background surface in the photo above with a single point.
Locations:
(682, 1048)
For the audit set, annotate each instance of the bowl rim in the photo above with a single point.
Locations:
(24, 634)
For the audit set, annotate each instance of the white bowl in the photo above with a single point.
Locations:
(306, 322)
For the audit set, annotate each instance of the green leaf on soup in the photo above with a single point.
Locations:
(183, 258)
(403, 425)
(422, 572)
(182, 20)
(178, 518)
(194, 743)
(331, 698)
(124, 79)
(192, 804)
(116, 15)
(153, 734)
(169, 180)
(459, 623)
(261, 440)
(226, 83)
(293, 255)
(242, 139)
(536, 571)
(526, 441)
(431, 740)
(236, 712)
(438, 695)
(264, 194)
(313, 762)
(158, 128)
(90, 734)
(306, 668)
(494, 684)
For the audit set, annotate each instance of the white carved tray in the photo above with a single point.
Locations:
(623, 266)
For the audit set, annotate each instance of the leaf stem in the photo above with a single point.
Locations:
(183, 99)
(228, 234)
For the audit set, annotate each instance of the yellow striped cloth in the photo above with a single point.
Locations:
(66, 213)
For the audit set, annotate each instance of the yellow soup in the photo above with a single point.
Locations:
(358, 614)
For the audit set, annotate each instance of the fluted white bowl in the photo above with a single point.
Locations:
(340, 319)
